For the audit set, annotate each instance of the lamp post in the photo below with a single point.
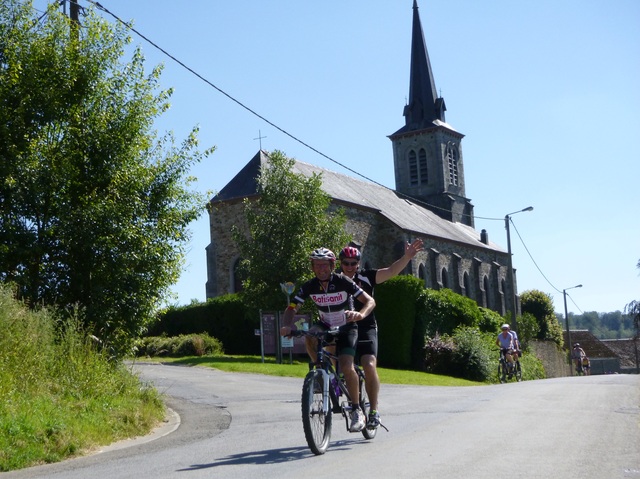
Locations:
(511, 278)
(566, 319)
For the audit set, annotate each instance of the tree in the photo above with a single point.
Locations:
(94, 207)
(540, 305)
(290, 218)
(633, 310)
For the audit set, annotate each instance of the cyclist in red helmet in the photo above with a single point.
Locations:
(367, 349)
(333, 294)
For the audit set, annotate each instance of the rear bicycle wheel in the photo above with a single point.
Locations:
(365, 405)
(315, 422)
(518, 371)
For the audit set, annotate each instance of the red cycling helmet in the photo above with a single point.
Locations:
(350, 252)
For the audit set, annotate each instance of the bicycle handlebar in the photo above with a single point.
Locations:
(323, 335)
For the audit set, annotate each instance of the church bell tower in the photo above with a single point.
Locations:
(427, 151)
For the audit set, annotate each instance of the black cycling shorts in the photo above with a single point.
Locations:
(346, 340)
(367, 340)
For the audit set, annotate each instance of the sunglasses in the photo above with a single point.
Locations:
(349, 263)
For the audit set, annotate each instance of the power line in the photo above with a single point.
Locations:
(253, 112)
(208, 82)
(293, 137)
(538, 267)
(531, 256)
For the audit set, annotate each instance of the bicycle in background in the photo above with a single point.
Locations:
(508, 370)
(324, 393)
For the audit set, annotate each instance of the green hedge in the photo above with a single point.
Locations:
(200, 344)
(398, 304)
(226, 318)
(447, 310)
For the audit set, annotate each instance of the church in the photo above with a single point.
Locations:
(428, 202)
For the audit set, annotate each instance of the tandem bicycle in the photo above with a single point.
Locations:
(324, 392)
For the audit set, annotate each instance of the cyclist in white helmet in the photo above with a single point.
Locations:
(333, 294)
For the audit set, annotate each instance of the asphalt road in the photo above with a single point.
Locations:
(249, 426)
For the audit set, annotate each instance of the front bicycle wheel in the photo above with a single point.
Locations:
(315, 422)
(365, 405)
(518, 371)
(502, 372)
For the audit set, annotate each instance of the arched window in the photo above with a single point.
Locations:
(413, 168)
(445, 278)
(422, 274)
(422, 163)
(467, 284)
(452, 159)
(418, 174)
(487, 292)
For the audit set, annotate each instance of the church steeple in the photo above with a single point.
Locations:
(424, 105)
(427, 153)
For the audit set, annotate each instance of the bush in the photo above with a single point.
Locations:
(466, 354)
(438, 354)
(473, 353)
(490, 321)
(532, 367)
(540, 305)
(177, 346)
(528, 329)
(447, 310)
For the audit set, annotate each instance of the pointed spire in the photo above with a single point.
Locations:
(424, 105)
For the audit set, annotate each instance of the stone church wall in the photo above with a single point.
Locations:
(222, 252)
(476, 273)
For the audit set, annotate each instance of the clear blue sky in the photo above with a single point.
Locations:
(546, 92)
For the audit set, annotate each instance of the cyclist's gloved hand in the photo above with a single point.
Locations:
(352, 316)
(286, 331)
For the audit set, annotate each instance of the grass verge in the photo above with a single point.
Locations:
(59, 394)
(298, 369)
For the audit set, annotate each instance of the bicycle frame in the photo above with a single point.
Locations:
(317, 412)
(508, 370)
(324, 364)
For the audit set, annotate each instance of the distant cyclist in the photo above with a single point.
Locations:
(577, 354)
(506, 342)
(516, 342)
(586, 366)
(333, 294)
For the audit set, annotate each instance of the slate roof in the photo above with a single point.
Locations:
(625, 349)
(407, 215)
(593, 347)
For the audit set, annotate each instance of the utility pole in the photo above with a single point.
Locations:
(74, 16)
(74, 11)
(510, 275)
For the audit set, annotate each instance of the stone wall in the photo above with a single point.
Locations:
(555, 362)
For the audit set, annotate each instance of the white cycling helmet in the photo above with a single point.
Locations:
(323, 253)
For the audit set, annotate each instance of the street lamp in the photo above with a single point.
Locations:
(566, 319)
(510, 267)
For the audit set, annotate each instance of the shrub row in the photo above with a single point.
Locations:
(225, 318)
(421, 329)
(182, 345)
